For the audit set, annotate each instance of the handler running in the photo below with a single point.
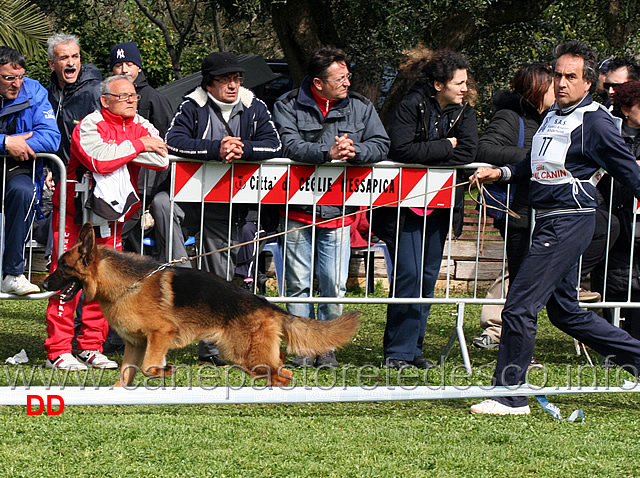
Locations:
(576, 139)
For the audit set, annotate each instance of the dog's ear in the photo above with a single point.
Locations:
(87, 241)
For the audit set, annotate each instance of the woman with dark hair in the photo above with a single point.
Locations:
(434, 124)
(507, 139)
(626, 105)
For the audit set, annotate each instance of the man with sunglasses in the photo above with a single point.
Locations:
(108, 148)
(620, 70)
(27, 127)
(220, 121)
(319, 122)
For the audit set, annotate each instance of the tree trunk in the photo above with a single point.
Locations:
(301, 27)
(618, 28)
(216, 25)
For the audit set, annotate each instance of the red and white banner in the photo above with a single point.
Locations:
(307, 185)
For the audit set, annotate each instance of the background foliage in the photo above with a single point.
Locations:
(496, 35)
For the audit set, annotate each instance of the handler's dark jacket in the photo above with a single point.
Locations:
(499, 144)
(568, 151)
(418, 133)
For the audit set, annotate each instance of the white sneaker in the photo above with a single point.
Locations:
(96, 359)
(18, 285)
(492, 407)
(66, 362)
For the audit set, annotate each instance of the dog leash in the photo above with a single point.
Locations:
(501, 207)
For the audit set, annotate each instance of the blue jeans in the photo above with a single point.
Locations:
(331, 266)
(406, 323)
(19, 207)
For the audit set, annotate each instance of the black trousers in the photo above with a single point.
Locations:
(549, 277)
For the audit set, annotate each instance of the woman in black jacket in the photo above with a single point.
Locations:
(432, 125)
(507, 139)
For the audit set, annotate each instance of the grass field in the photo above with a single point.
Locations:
(387, 439)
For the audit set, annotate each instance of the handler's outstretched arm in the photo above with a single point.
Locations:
(485, 175)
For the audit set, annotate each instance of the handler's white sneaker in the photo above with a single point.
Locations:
(18, 285)
(65, 362)
(96, 359)
(492, 407)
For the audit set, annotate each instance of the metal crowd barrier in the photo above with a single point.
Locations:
(283, 183)
(286, 183)
(31, 247)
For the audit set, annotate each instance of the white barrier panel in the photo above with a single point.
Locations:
(304, 185)
(246, 395)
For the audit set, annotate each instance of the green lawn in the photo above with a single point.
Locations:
(388, 439)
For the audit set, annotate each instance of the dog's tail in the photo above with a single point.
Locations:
(313, 337)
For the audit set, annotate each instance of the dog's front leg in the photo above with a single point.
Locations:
(158, 343)
(131, 361)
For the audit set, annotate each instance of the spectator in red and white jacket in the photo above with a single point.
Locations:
(108, 147)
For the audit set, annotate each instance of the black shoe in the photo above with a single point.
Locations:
(534, 364)
(327, 360)
(420, 362)
(212, 360)
(398, 364)
(303, 362)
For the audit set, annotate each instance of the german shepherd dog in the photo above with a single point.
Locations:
(171, 308)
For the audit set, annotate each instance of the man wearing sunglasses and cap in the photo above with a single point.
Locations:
(220, 121)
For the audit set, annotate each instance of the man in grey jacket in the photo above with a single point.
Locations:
(323, 121)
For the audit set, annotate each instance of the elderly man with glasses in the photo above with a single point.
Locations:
(27, 127)
(323, 121)
(220, 121)
(108, 148)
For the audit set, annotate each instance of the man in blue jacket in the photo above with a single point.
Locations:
(27, 127)
(576, 142)
(218, 121)
(320, 122)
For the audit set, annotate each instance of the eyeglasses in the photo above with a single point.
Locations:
(125, 96)
(225, 80)
(13, 77)
(610, 85)
(341, 81)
